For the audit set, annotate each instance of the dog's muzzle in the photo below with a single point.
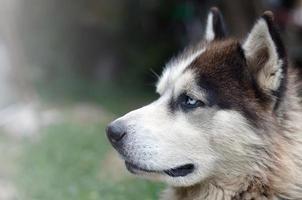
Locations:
(117, 134)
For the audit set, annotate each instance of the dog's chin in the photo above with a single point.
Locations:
(179, 171)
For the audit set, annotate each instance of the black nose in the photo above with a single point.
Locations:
(115, 132)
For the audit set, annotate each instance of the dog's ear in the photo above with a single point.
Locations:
(215, 28)
(266, 56)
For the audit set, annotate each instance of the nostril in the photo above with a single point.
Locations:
(117, 137)
(115, 133)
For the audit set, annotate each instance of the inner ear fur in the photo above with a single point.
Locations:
(215, 27)
(266, 56)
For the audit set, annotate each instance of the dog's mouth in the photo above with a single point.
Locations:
(179, 171)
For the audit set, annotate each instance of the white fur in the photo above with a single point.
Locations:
(160, 141)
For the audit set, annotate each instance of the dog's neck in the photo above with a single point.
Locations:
(246, 188)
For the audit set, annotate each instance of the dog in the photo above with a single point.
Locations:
(227, 123)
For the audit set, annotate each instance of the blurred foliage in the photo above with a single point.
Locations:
(110, 42)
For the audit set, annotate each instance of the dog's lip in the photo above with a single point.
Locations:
(180, 171)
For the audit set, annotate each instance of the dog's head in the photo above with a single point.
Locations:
(209, 116)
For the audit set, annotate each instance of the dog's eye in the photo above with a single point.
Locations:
(189, 102)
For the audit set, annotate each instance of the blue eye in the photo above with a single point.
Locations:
(188, 102)
(191, 101)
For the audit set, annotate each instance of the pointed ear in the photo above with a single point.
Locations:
(215, 28)
(266, 56)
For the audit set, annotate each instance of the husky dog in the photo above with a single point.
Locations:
(227, 124)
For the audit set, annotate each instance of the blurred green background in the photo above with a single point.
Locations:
(68, 67)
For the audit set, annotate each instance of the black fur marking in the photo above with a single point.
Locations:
(211, 94)
(215, 97)
(172, 105)
(219, 27)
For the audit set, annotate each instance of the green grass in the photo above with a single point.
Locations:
(65, 163)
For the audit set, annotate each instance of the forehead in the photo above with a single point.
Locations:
(218, 62)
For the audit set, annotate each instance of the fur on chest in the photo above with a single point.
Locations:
(208, 191)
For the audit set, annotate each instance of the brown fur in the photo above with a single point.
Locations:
(223, 67)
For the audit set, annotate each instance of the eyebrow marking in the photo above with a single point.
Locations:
(175, 69)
